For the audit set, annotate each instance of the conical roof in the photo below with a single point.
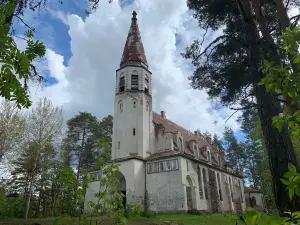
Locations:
(134, 49)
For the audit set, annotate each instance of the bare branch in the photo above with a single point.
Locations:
(239, 109)
(296, 21)
(26, 25)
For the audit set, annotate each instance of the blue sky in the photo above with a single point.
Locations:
(83, 53)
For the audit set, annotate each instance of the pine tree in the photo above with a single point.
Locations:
(79, 144)
(229, 69)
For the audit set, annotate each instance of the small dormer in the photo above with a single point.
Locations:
(178, 141)
(193, 146)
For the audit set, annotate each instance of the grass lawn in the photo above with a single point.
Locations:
(182, 219)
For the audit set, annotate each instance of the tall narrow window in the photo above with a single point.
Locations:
(134, 104)
(134, 82)
(205, 183)
(231, 192)
(133, 131)
(146, 85)
(121, 106)
(118, 145)
(200, 183)
(219, 184)
(122, 84)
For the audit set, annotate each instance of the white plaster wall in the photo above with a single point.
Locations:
(138, 118)
(134, 173)
(166, 192)
(258, 198)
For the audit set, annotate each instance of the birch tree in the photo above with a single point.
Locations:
(12, 127)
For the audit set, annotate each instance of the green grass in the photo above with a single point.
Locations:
(181, 219)
(205, 219)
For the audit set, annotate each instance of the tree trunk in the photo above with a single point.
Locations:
(28, 200)
(279, 145)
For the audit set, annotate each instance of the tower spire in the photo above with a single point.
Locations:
(134, 49)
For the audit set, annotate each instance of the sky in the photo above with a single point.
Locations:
(84, 52)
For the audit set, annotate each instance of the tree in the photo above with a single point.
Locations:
(27, 168)
(63, 188)
(234, 153)
(253, 149)
(217, 142)
(108, 196)
(79, 142)
(105, 128)
(12, 127)
(229, 69)
(44, 124)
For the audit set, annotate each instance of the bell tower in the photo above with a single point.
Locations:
(132, 126)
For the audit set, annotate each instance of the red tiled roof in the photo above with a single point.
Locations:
(251, 190)
(134, 49)
(170, 126)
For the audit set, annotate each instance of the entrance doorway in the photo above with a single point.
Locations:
(122, 187)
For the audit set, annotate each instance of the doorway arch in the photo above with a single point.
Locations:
(190, 194)
(122, 186)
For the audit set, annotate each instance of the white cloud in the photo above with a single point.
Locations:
(87, 82)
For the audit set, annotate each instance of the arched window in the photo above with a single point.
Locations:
(134, 81)
(219, 184)
(147, 106)
(122, 84)
(205, 183)
(146, 89)
(200, 183)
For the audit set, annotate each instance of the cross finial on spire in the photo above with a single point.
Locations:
(134, 15)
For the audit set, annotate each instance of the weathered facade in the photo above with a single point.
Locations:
(163, 167)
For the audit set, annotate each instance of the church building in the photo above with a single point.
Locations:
(163, 167)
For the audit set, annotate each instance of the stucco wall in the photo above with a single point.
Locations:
(165, 191)
(134, 173)
(132, 125)
(258, 199)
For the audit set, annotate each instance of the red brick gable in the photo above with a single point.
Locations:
(134, 49)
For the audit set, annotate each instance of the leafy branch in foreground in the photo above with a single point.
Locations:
(17, 66)
(285, 81)
(292, 182)
(109, 201)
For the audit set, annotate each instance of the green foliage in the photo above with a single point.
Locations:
(110, 200)
(17, 66)
(234, 150)
(283, 80)
(292, 181)
(81, 142)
